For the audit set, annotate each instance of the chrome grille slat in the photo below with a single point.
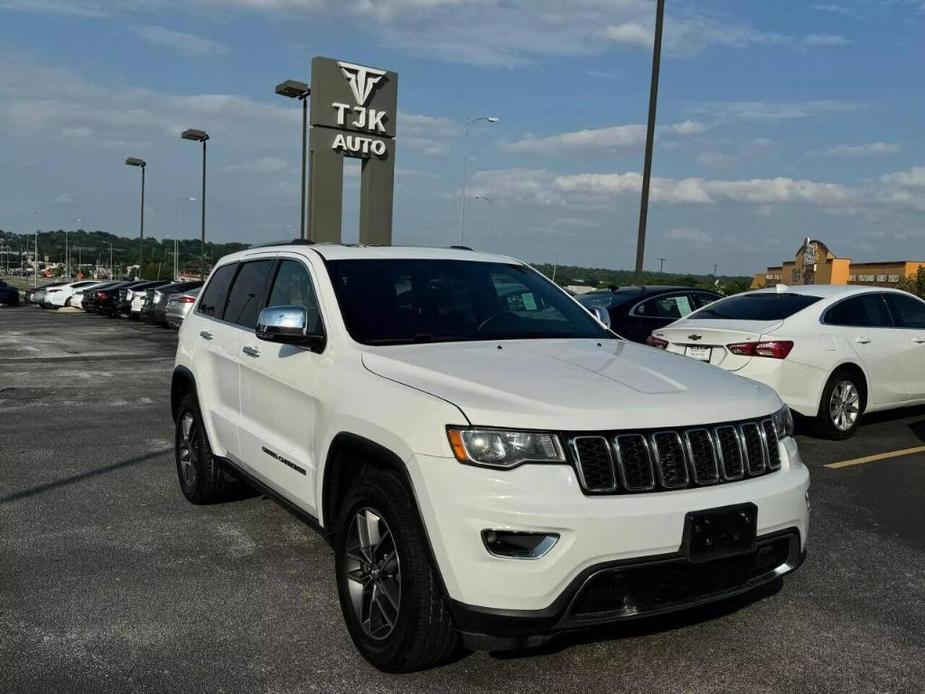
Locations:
(770, 437)
(754, 447)
(701, 451)
(730, 451)
(595, 463)
(670, 461)
(634, 462)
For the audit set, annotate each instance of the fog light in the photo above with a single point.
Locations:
(513, 544)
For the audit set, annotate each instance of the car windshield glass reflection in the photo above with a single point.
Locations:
(406, 301)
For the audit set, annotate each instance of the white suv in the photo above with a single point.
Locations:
(491, 464)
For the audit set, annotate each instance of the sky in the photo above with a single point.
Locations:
(777, 120)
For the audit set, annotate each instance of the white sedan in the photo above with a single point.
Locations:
(831, 352)
(58, 297)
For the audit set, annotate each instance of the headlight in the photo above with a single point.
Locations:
(504, 449)
(783, 422)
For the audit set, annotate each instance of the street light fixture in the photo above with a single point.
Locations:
(465, 172)
(200, 136)
(141, 163)
(294, 89)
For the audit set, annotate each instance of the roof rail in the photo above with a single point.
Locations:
(290, 242)
(461, 248)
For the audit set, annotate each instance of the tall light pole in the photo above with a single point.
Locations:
(491, 220)
(294, 89)
(650, 139)
(176, 233)
(35, 214)
(141, 163)
(67, 251)
(200, 136)
(661, 265)
(465, 172)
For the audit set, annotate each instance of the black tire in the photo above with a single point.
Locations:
(422, 634)
(200, 473)
(842, 404)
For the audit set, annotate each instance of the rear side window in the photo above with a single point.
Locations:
(675, 306)
(864, 311)
(907, 311)
(246, 293)
(756, 307)
(213, 298)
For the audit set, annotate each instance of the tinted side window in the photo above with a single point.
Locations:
(213, 298)
(907, 311)
(867, 311)
(293, 287)
(675, 306)
(246, 292)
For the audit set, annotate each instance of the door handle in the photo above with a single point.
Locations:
(251, 351)
(862, 340)
(205, 334)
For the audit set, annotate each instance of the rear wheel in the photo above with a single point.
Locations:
(201, 478)
(841, 406)
(389, 591)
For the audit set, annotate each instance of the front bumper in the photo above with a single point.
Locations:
(632, 589)
(458, 501)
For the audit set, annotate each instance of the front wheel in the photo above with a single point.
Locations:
(841, 406)
(201, 478)
(389, 592)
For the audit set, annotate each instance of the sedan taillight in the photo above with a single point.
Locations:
(186, 299)
(775, 349)
(657, 342)
(101, 295)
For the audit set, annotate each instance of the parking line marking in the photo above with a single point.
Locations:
(874, 458)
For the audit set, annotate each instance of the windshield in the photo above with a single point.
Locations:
(756, 307)
(388, 302)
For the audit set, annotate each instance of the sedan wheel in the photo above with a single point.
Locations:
(845, 405)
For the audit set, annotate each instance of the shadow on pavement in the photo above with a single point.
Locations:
(26, 493)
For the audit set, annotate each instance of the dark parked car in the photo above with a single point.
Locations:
(101, 299)
(126, 294)
(8, 295)
(155, 306)
(636, 311)
(36, 295)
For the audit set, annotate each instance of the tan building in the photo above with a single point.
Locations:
(814, 263)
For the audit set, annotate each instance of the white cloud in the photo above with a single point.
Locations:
(427, 134)
(690, 235)
(580, 142)
(716, 160)
(67, 8)
(631, 33)
(544, 187)
(910, 178)
(179, 42)
(825, 40)
(774, 110)
(865, 150)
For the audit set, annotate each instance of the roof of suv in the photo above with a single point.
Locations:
(334, 251)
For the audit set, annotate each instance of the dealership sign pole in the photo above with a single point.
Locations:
(353, 113)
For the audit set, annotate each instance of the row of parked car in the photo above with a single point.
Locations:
(162, 302)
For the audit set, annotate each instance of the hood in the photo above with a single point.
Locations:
(572, 384)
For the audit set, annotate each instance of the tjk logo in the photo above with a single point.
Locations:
(363, 80)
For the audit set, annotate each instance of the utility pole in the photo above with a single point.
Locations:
(661, 265)
(650, 139)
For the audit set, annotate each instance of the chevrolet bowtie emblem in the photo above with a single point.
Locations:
(694, 337)
(363, 80)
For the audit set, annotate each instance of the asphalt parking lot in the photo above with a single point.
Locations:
(111, 581)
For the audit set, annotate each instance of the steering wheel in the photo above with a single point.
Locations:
(507, 315)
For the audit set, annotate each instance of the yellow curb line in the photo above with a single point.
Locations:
(874, 458)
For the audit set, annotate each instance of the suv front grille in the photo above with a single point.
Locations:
(620, 462)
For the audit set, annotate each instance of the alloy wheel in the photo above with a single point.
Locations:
(188, 455)
(845, 405)
(373, 573)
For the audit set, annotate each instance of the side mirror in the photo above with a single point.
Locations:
(290, 325)
(602, 315)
